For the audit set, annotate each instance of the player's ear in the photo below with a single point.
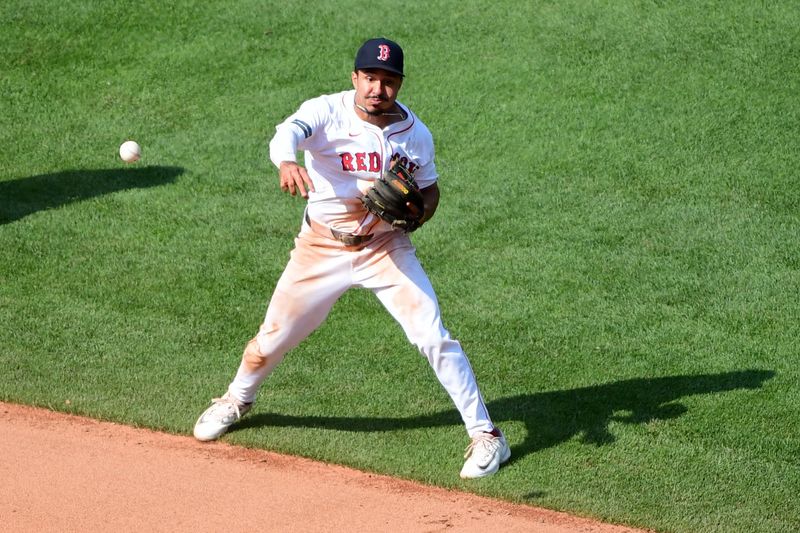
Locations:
(354, 77)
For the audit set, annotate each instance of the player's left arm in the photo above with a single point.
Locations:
(426, 176)
(430, 199)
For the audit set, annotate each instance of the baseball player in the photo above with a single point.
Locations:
(351, 141)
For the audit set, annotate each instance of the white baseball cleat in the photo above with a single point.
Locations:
(219, 417)
(484, 455)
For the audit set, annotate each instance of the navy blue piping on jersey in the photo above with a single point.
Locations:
(303, 126)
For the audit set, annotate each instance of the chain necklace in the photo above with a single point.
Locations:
(380, 113)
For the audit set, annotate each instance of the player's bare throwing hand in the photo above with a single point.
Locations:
(351, 139)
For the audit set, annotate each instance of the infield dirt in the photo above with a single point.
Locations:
(66, 473)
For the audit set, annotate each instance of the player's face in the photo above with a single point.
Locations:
(376, 89)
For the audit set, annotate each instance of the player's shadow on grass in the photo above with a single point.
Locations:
(22, 197)
(554, 417)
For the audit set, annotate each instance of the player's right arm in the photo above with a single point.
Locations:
(294, 178)
(293, 134)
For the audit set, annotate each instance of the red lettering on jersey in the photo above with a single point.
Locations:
(374, 162)
(360, 163)
(402, 160)
(347, 162)
(384, 55)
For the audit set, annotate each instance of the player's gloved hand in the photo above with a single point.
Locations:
(395, 198)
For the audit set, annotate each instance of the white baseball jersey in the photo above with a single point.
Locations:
(344, 155)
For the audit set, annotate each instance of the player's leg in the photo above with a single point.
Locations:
(294, 312)
(406, 292)
(315, 277)
(401, 284)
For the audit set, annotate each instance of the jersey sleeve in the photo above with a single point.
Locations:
(426, 175)
(298, 131)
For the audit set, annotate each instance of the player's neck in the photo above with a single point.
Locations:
(380, 118)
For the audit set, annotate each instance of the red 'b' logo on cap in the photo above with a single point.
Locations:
(384, 55)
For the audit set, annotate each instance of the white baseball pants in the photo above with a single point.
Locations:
(320, 270)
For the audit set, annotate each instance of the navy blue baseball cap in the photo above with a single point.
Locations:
(380, 53)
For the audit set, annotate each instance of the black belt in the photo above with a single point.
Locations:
(348, 239)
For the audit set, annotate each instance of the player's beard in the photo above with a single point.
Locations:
(377, 105)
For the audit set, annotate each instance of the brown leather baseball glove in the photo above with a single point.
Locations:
(395, 198)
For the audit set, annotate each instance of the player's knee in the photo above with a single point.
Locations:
(252, 356)
(435, 347)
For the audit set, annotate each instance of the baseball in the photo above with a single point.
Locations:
(130, 151)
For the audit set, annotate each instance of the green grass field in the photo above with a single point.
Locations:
(616, 248)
